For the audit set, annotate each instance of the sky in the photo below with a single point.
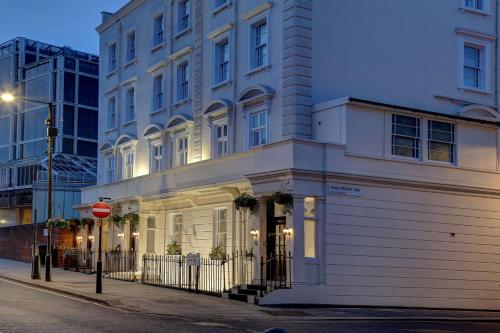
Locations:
(59, 22)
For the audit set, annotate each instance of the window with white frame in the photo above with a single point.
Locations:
(183, 15)
(130, 106)
(222, 61)
(475, 4)
(176, 230)
(128, 164)
(111, 112)
(112, 57)
(158, 92)
(110, 172)
(257, 128)
(219, 3)
(405, 136)
(183, 81)
(441, 141)
(156, 156)
(182, 150)
(131, 46)
(158, 35)
(220, 228)
(151, 235)
(220, 138)
(310, 227)
(473, 71)
(259, 44)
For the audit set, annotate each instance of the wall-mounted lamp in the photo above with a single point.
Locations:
(121, 235)
(135, 234)
(254, 233)
(79, 239)
(288, 232)
(91, 238)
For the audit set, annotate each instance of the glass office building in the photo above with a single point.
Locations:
(69, 79)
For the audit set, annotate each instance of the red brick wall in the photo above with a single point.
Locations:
(16, 241)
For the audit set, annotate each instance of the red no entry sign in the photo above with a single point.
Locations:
(101, 210)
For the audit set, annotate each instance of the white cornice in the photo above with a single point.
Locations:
(129, 80)
(475, 34)
(157, 66)
(257, 10)
(220, 30)
(120, 13)
(181, 53)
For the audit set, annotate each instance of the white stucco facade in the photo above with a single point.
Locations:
(368, 111)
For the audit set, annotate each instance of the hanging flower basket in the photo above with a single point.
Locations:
(117, 220)
(245, 202)
(133, 218)
(284, 199)
(174, 249)
(58, 222)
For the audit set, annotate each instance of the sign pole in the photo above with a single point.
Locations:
(100, 210)
(98, 286)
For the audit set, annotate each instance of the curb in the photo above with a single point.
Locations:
(60, 291)
(402, 319)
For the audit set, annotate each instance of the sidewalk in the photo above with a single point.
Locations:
(136, 297)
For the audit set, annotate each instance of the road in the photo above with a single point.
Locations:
(28, 309)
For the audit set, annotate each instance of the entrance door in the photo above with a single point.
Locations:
(275, 249)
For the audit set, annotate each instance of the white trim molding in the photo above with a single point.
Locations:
(257, 10)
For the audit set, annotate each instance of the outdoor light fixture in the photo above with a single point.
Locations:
(79, 239)
(121, 235)
(288, 232)
(135, 234)
(254, 233)
(7, 97)
(91, 238)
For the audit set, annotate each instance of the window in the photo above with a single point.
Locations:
(258, 128)
(131, 46)
(87, 120)
(473, 67)
(156, 156)
(86, 148)
(112, 57)
(111, 112)
(182, 151)
(111, 170)
(475, 4)
(220, 228)
(128, 164)
(184, 9)
(150, 236)
(259, 44)
(158, 92)
(405, 136)
(176, 230)
(441, 141)
(130, 109)
(69, 87)
(219, 3)
(183, 81)
(220, 140)
(310, 220)
(68, 119)
(88, 91)
(158, 30)
(222, 61)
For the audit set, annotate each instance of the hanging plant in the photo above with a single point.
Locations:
(58, 222)
(245, 202)
(75, 224)
(133, 218)
(174, 249)
(117, 220)
(217, 253)
(284, 199)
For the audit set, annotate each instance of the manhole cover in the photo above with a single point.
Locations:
(287, 313)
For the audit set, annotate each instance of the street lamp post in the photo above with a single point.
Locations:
(51, 134)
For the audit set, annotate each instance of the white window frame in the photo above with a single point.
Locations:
(452, 143)
(220, 3)
(180, 82)
(419, 138)
(312, 219)
(217, 78)
(110, 168)
(172, 228)
(250, 129)
(216, 224)
(131, 46)
(112, 57)
(215, 124)
(485, 10)
(158, 95)
(485, 49)
(252, 24)
(150, 230)
(127, 170)
(156, 161)
(130, 104)
(184, 153)
(158, 35)
(180, 16)
(111, 119)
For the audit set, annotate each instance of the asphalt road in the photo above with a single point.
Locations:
(27, 309)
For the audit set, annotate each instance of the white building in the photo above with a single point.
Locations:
(379, 117)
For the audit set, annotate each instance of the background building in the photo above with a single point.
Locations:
(380, 118)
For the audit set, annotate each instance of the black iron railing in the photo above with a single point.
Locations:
(120, 265)
(276, 271)
(79, 260)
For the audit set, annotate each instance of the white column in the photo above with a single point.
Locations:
(296, 241)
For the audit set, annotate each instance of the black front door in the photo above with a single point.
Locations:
(275, 248)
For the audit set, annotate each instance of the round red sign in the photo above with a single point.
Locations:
(101, 210)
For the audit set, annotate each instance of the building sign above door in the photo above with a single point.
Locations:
(344, 189)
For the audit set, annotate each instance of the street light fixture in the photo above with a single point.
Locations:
(51, 134)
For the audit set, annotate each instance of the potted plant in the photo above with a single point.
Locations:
(58, 222)
(283, 199)
(217, 253)
(245, 202)
(174, 248)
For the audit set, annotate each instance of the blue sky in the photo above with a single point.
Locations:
(59, 22)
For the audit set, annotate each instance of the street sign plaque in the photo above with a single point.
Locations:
(193, 259)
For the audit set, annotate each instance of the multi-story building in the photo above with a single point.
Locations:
(69, 79)
(379, 117)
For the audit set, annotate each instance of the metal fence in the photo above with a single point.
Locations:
(213, 275)
(276, 271)
(120, 265)
(79, 260)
